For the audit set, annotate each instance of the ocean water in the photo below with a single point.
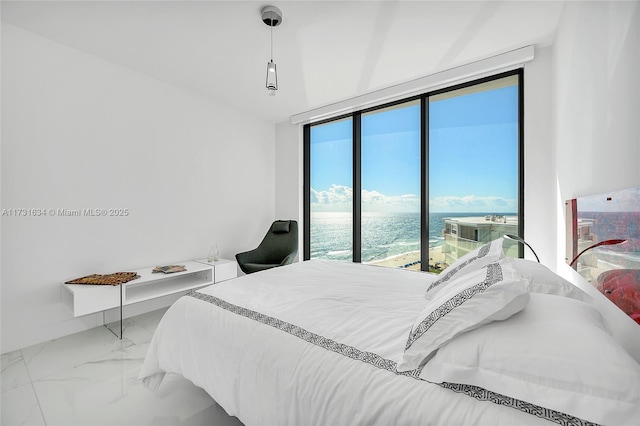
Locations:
(386, 235)
(383, 235)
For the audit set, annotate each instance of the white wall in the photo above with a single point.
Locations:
(289, 169)
(596, 68)
(539, 165)
(79, 132)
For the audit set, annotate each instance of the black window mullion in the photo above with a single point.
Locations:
(357, 187)
(306, 197)
(520, 160)
(424, 184)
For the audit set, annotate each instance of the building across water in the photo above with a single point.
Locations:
(464, 234)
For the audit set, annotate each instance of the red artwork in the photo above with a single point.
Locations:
(622, 287)
(604, 242)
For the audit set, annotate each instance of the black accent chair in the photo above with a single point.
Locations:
(279, 247)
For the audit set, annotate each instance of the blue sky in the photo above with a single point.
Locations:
(472, 152)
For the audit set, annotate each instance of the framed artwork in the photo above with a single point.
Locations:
(603, 245)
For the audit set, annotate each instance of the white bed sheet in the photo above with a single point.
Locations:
(315, 343)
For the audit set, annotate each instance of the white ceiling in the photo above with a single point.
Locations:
(325, 50)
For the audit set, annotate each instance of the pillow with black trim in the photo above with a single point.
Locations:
(476, 259)
(542, 280)
(492, 293)
(556, 353)
(281, 226)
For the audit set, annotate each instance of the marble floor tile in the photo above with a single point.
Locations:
(109, 394)
(90, 378)
(14, 371)
(150, 320)
(19, 406)
(90, 346)
(213, 415)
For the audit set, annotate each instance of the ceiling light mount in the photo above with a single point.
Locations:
(272, 17)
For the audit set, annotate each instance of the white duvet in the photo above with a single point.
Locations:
(315, 343)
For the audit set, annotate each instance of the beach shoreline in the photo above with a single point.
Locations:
(411, 260)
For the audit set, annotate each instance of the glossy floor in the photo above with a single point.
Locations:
(90, 378)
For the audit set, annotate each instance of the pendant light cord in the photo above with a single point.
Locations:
(271, 40)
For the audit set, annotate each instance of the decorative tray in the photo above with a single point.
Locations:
(116, 278)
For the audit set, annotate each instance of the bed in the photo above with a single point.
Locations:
(492, 340)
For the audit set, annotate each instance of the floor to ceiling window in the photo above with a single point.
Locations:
(473, 165)
(417, 183)
(331, 204)
(390, 194)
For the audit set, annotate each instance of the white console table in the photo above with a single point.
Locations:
(84, 299)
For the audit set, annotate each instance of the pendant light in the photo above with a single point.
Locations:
(271, 16)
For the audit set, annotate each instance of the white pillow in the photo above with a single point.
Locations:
(556, 354)
(476, 259)
(488, 294)
(543, 280)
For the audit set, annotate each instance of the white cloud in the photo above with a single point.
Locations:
(472, 203)
(373, 201)
(340, 198)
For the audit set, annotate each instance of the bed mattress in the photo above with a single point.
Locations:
(317, 343)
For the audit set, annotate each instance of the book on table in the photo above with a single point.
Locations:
(169, 269)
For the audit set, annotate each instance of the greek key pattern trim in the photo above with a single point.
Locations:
(331, 345)
(449, 274)
(388, 365)
(484, 250)
(494, 275)
(482, 394)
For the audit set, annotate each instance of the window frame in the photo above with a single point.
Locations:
(356, 211)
